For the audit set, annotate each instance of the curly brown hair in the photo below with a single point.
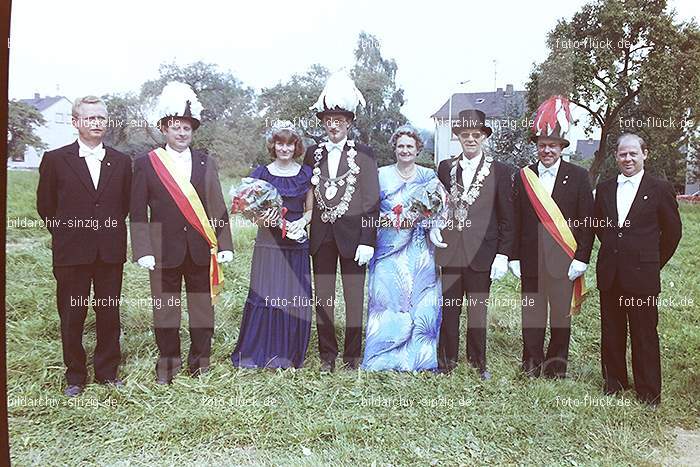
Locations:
(406, 130)
(285, 137)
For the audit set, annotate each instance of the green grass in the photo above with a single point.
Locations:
(300, 417)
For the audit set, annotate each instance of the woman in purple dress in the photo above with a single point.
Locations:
(276, 322)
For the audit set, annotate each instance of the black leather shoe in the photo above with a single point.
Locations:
(327, 367)
(73, 390)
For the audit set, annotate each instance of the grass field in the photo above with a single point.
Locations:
(300, 417)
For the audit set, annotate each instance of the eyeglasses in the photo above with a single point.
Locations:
(473, 134)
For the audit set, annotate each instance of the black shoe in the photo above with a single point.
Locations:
(164, 381)
(73, 390)
(327, 367)
(485, 375)
(116, 382)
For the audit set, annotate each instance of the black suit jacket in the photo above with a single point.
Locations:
(166, 234)
(491, 217)
(534, 246)
(85, 223)
(358, 226)
(636, 252)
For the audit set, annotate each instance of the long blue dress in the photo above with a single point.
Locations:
(403, 312)
(276, 323)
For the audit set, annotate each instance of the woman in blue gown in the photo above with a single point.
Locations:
(276, 323)
(403, 317)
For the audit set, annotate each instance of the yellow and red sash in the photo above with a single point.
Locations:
(187, 200)
(553, 220)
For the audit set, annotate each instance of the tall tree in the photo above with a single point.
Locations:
(291, 101)
(229, 128)
(510, 141)
(22, 120)
(375, 76)
(621, 59)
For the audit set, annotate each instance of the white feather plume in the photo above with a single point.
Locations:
(173, 100)
(340, 91)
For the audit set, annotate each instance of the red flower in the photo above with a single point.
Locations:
(238, 204)
(398, 209)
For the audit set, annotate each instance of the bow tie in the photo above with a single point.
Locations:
(541, 170)
(622, 179)
(339, 146)
(96, 153)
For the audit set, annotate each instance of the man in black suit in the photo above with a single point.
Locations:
(546, 270)
(475, 243)
(169, 245)
(83, 197)
(639, 228)
(344, 220)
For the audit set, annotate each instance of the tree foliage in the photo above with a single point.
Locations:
(622, 60)
(22, 120)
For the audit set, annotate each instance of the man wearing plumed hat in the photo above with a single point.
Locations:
(476, 242)
(180, 230)
(553, 240)
(344, 219)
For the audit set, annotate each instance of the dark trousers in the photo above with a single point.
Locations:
(617, 308)
(537, 293)
(456, 282)
(166, 291)
(325, 263)
(72, 297)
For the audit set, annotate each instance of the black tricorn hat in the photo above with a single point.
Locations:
(471, 118)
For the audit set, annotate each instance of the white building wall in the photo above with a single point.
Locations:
(58, 131)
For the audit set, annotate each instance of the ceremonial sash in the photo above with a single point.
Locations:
(553, 220)
(187, 200)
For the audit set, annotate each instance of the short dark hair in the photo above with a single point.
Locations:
(286, 137)
(640, 140)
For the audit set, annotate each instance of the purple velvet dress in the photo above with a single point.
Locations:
(276, 323)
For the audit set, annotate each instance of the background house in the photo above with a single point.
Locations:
(497, 105)
(586, 148)
(58, 130)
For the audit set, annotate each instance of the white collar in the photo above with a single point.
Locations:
(473, 162)
(553, 169)
(341, 144)
(635, 179)
(85, 147)
(174, 153)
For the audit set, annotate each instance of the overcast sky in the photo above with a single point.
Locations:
(97, 47)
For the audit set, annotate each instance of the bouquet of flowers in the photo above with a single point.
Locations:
(254, 197)
(427, 205)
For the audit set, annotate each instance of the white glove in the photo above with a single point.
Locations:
(294, 228)
(363, 254)
(225, 256)
(576, 269)
(514, 267)
(147, 262)
(436, 238)
(499, 268)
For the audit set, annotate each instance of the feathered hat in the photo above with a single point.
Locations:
(340, 95)
(552, 120)
(177, 100)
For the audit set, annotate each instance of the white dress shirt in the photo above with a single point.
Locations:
(183, 161)
(335, 150)
(548, 175)
(627, 188)
(469, 169)
(93, 158)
